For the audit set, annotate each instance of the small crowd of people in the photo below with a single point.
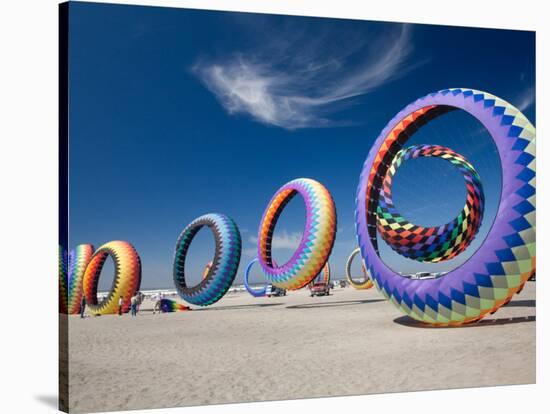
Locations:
(135, 302)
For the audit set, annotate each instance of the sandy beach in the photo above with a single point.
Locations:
(252, 349)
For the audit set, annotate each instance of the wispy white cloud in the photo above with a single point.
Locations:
(300, 82)
(526, 99)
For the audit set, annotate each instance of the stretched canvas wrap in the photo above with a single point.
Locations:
(265, 207)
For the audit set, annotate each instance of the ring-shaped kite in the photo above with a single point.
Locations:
(257, 293)
(324, 276)
(224, 267)
(431, 244)
(506, 258)
(126, 281)
(316, 243)
(63, 289)
(78, 261)
(169, 305)
(367, 283)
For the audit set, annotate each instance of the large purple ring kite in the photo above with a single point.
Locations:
(505, 260)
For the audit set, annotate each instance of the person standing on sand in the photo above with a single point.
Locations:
(82, 306)
(139, 297)
(133, 304)
(120, 302)
(158, 300)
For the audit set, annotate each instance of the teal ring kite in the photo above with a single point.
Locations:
(224, 267)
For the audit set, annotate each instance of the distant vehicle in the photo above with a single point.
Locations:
(274, 291)
(343, 283)
(423, 275)
(319, 289)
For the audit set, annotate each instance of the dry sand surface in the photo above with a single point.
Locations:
(251, 349)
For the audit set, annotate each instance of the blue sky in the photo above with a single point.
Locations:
(176, 113)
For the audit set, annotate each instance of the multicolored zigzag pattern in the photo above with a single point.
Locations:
(316, 243)
(126, 282)
(431, 244)
(505, 260)
(169, 305)
(78, 260)
(62, 279)
(224, 265)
